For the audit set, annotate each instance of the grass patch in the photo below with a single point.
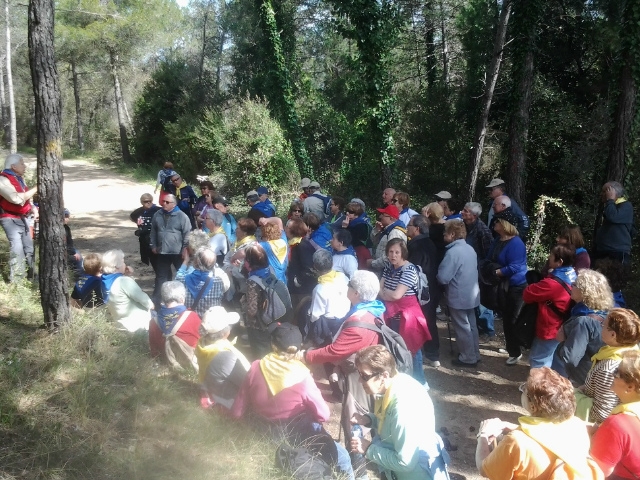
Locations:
(88, 402)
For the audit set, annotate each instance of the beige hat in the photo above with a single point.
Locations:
(495, 182)
(304, 183)
(314, 185)
(217, 318)
(252, 193)
(443, 195)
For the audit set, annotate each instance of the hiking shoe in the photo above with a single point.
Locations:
(513, 360)
(431, 363)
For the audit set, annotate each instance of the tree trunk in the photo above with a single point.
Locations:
(444, 46)
(223, 38)
(492, 78)
(429, 40)
(13, 136)
(204, 45)
(76, 95)
(122, 121)
(624, 115)
(48, 116)
(4, 108)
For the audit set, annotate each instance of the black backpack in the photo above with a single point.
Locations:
(393, 341)
(276, 305)
(301, 463)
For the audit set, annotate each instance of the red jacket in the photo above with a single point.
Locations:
(548, 322)
(12, 210)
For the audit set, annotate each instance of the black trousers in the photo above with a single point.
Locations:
(164, 273)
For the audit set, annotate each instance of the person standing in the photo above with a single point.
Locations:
(170, 229)
(142, 217)
(16, 205)
(185, 196)
(613, 237)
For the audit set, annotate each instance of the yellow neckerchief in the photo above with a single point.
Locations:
(182, 185)
(279, 372)
(279, 248)
(620, 200)
(219, 230)
(381, 404)
(632, 408)
(294, 241)
(205, 353)
(244, 241)
(328, 278)
(611, 353)
(567, 440)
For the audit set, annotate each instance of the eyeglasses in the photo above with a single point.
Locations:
(167, 202)
(368, 376)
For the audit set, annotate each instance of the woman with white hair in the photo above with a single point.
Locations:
(218, 242)
(126, 302)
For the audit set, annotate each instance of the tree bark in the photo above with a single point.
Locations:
(76, 96)
(13, 136)
(429, 40)
(4, 108)
(221, 40)
(122, 121)
(48, 115)
(623, 120)
(492, 78)
(444, 46)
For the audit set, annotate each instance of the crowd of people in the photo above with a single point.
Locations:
(316, 286)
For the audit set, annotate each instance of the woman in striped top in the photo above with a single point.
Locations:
(620, 333)
(398, 291)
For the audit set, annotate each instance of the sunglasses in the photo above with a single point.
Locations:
(167, 202)
(350, 212)
(368, 376)
(299, 211)
(147, 201)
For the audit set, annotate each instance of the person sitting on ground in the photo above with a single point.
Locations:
(356, 223)
(175, 331)
(571, 235)
(616, 444)
(163, 181)
(406, 445)
(402, 201)
(198, 239)
(580, 336)
(434, 212)
(296, 210)
(336, 207)
(280, 389)
(364, 287)
(387, 228)
(316, 202)
(126, 302)
(553, 296)
(422, 253)
(218, 242)
(222, 367)
(245, 236)
(204, 289)
(258, 321)
(87, 291)
(551, 437)
(275, 243)
(296, 231)
(263, 195)
(329, 302)
(142, 217)
(458, 272)
(185, 197)
(74, 258)
(208, 191)
(305, 278)
(620, 333)
(344, 256)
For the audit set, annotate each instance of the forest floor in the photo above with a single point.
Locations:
(100, 201)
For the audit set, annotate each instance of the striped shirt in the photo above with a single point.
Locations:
(598, 386)
(406, 275)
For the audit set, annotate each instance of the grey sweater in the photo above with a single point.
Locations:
(170, 231)
(458, 271)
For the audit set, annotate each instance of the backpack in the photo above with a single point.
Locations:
(301, 463)
(392, 340)
(276, 306)
(167, 185)
(424, 296)
(326, 199)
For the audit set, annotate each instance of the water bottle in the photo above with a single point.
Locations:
(356, 431)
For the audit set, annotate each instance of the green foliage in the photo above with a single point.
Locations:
(544, 228)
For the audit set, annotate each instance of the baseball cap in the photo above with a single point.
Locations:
(304, 183)
(262, 190)
(390, 210)
(217, 318)
(443, 195)
(495, 182)
(221, 199)
(286, 335)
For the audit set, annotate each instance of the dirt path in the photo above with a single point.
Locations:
(100, 201)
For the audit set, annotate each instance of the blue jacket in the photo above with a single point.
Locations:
(513, 259)
(614, 235)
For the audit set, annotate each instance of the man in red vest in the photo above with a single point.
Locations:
(15, 206)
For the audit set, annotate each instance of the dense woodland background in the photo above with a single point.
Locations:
(358, 94)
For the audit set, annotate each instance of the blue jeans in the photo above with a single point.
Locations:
(485, 321)
(20, 244)
(418, 372)
(344, 462)
(541, 354)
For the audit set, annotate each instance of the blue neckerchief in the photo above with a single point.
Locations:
(580, 250)
(566, 274)
(270, 204)
(264, 208)
(404, 210)
(348, 251)
(107, 283)
(261, 272)
(374, 307)
(18, 177)
(322, 236)
(86, 283)
(168, 317)
(196, 280)
(175, 209)
(356, 221)
(618, 300)
(388, 228)
(454, 216)
(581, 310)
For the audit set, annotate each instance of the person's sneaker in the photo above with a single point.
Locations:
(513, 360)
(502, 350)
(431, 363)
